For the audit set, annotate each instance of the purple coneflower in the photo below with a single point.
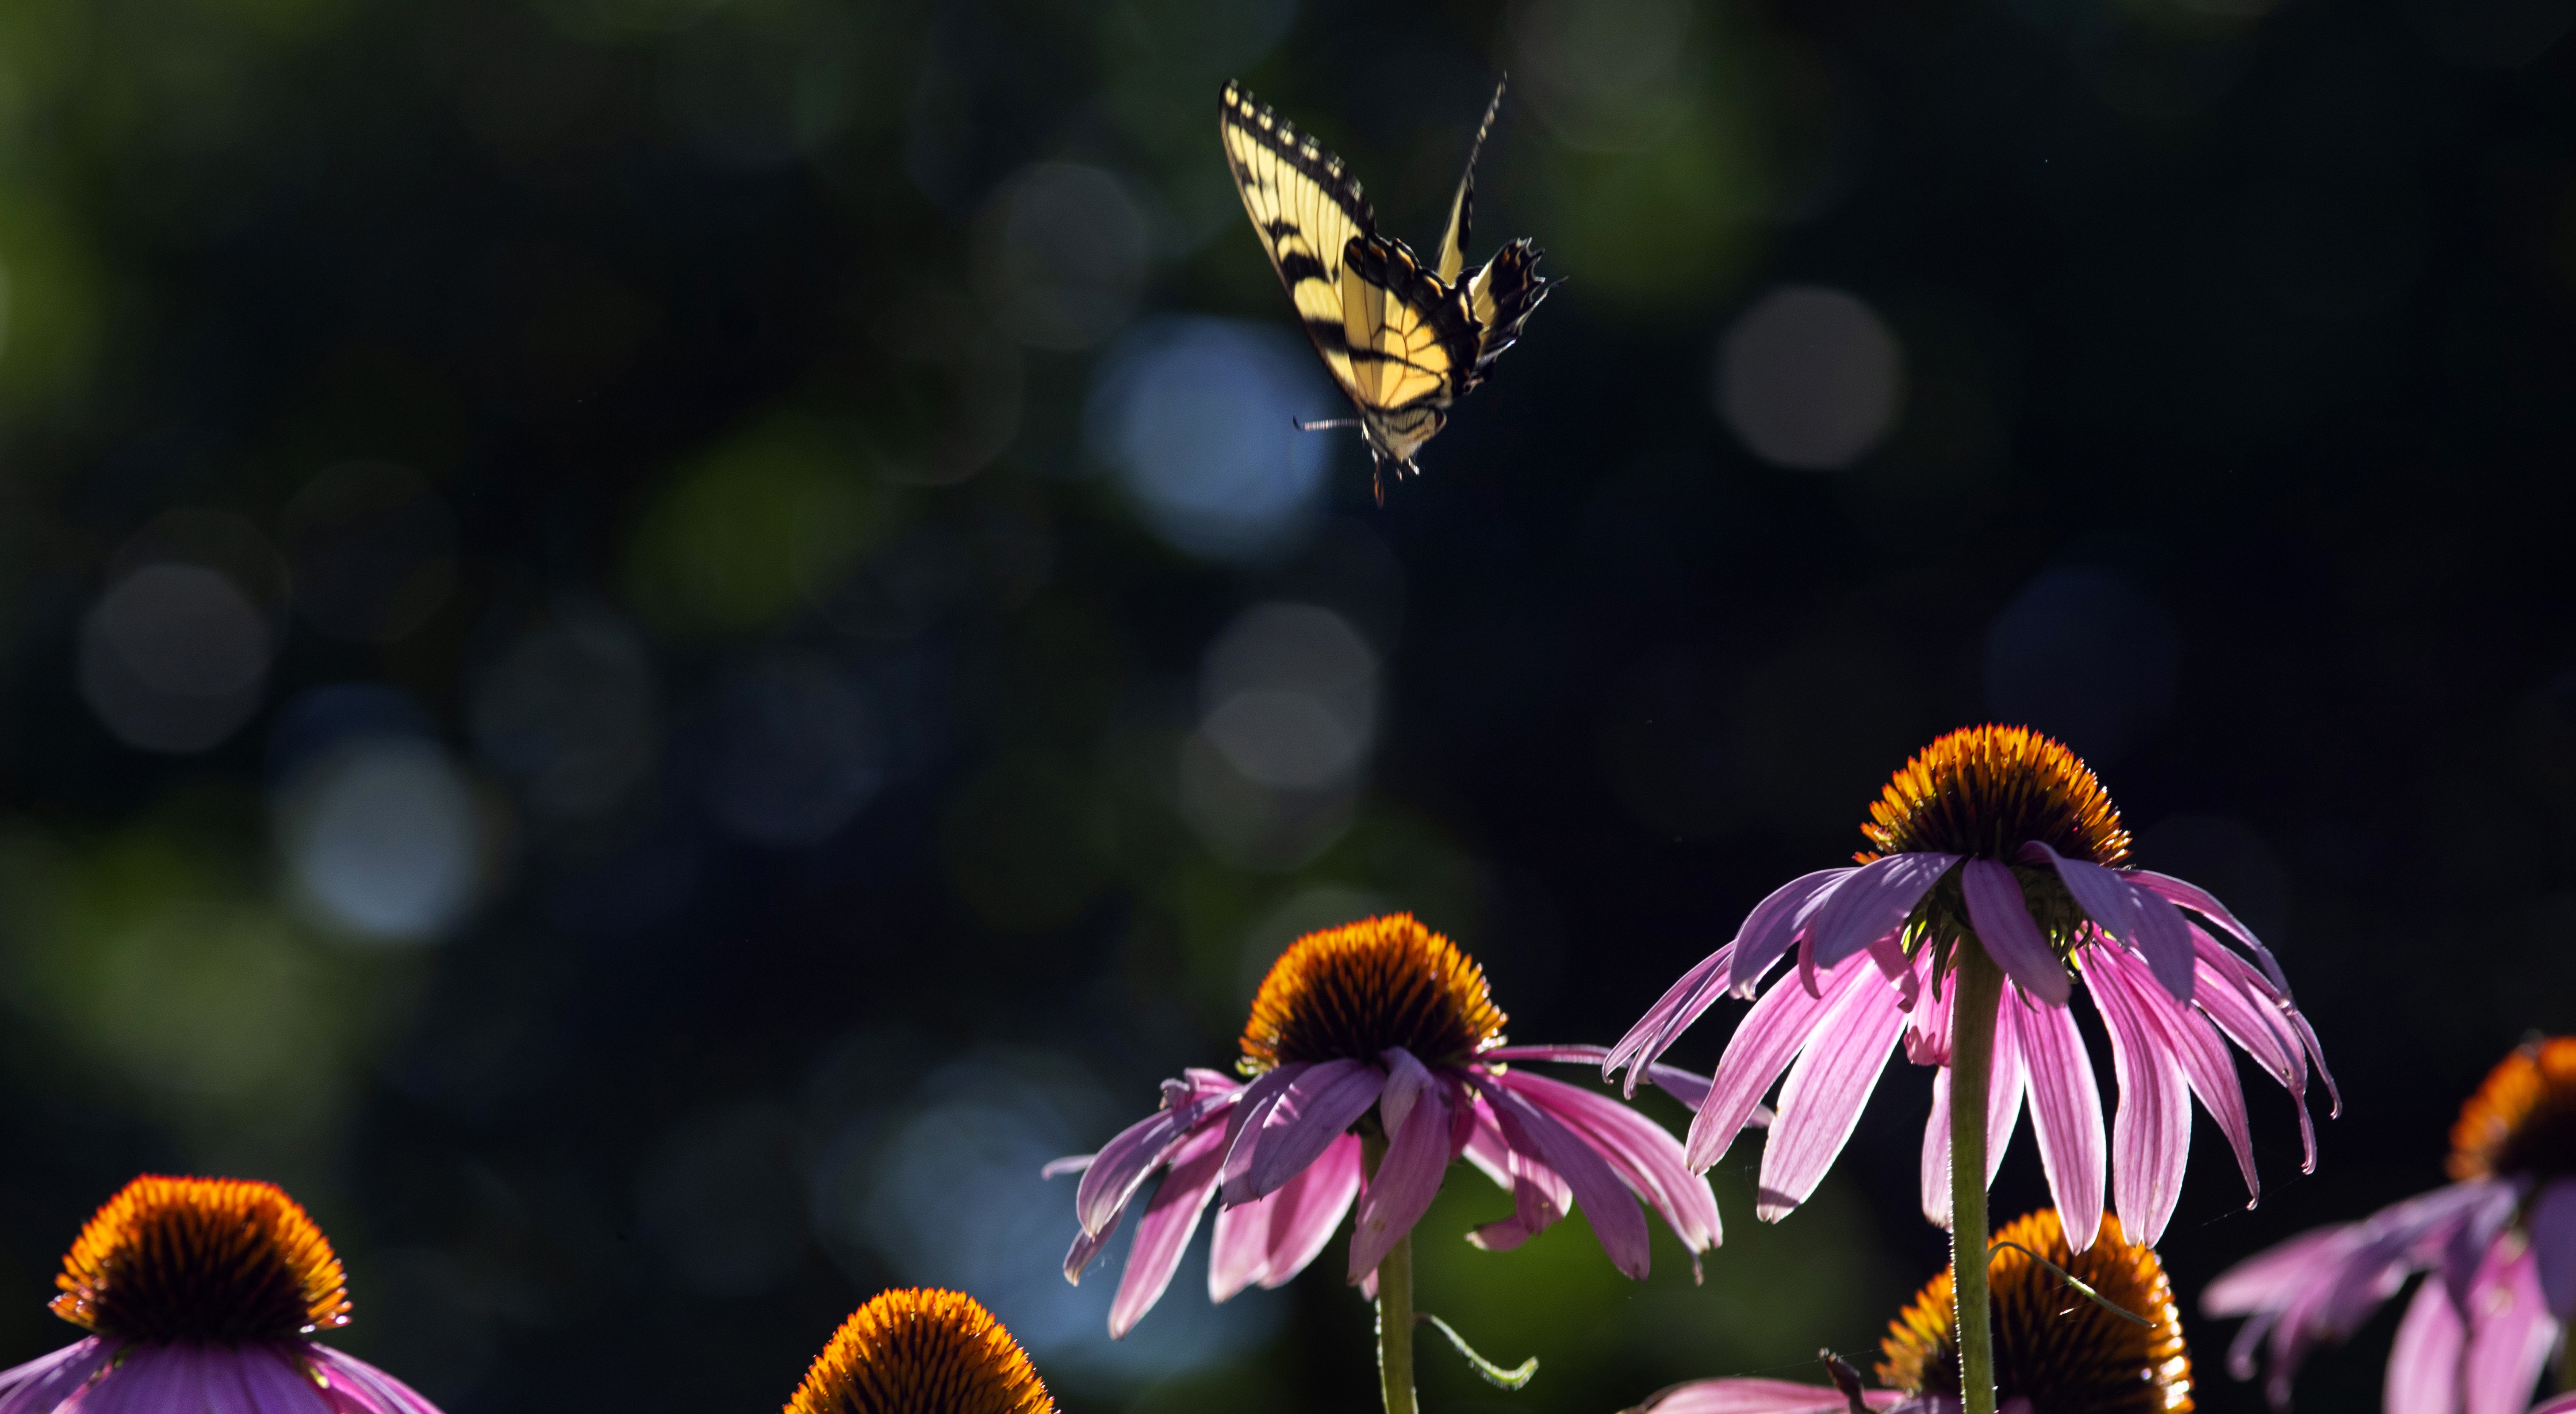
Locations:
(1996, 877)
(920, 1351)
(2056, 1352)
(1376, 1057)
(203, 1294)
(2503, 1239)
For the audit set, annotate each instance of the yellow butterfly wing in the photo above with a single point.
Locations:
(1409, 337)
(1306, 209)
(1453, 242)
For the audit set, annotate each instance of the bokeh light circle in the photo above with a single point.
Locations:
(1810, 378)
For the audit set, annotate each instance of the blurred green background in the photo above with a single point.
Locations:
(649, 647)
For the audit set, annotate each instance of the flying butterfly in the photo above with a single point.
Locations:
(1405, 338)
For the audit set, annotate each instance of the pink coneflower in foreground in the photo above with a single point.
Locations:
(920, 1351)
(2055, 1352)
(2502, 1239)
(1995, 879)
(1376, 1057)
(202, 1294)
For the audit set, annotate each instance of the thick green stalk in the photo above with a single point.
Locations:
(2567, 1362)
(1980, 986)
(1394, 1305)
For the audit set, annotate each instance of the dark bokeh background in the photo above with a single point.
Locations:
(653, 645)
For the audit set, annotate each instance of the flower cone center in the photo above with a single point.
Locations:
(209, 1259)
(1986, 791)
(922, 1352)
(2523, 1119)
(1352, 992)
(2053, 1347)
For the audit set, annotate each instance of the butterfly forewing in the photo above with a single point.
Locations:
(1462, 207)
(1306, 210)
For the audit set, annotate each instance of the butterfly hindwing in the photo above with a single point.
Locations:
(1306, 208)
(1409, 336)
(1499, 299)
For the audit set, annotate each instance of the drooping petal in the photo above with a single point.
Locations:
(2510, 1334)
(40, 1384)
(2065, 1113)
(1243, 1126)
(1689, 1087)
(1125, 1162)
(2464, 1246)
(1613, 1214)
(1408, 1177)
(1743, 1395)
(2240, 1003)
(2563, 1404)
(1820, 1105)
(2124, 982)
(1647, 1158)
(2139, 917)
(2003, 1112)
(2553, 1244)
(151, 1378)
(2424, 1364)
(2200, 901)
(1315, 1109)
(2151, 1129)
(2268, 1279)
(385, 1394)
(2002, 921)
(1681, 1004)
(1773, 925)
(1163, 1233)
(1269, 1240)
(1872, 900)
(1769, 1037)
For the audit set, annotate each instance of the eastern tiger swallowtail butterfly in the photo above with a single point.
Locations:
(1405, 338)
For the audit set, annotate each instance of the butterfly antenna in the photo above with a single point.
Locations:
(1326, 424)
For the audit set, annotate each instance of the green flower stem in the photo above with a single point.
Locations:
(1394, 1304)
(1980, 985)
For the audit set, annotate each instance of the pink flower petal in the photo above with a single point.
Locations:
(40, 1384)
(1689, 1087)
(1163, 1233)
(1269, 1240)
(2510, 1335)
(2552, 1224)
(279, 1384)
(1244, 1123)
(1646, 1157)
(2003, 1112)
(2151, 1129)
(2200, 901)
(1755, 1396)
(1613, 1214)
(2423, 1365)
(1316, 1108)
(1681, 1004)
(2138, 917)
(1125, 1162)
(2181, 1033)
(1872, 901)
(2065, 1113)
(1408, 1177)
(2002, 921)
(1769, 1037)
(1773, 924)
(1845, 1054)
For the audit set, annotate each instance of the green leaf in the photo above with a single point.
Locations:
(1494, 1374)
